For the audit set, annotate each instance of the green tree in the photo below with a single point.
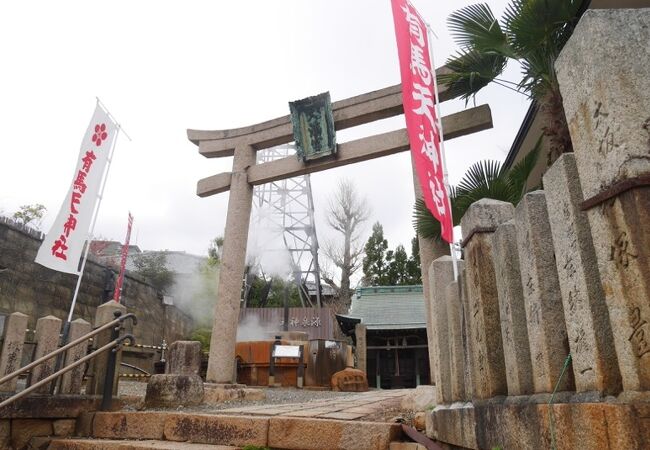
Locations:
(397, 273)
(275, 296)
(532, 32)
(153, 267)
(30, 215)
(414, 274)
(203, 335)
(374, 261)
(484, 179)
(384, 267)
(214, 251)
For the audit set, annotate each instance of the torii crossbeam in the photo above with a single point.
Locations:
(242, 143)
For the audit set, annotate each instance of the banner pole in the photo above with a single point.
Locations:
(89, 240)
(445, 174)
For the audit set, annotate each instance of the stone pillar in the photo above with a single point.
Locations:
(595, 366)
(468, 348)
(487, 362)
(13, 341)
(546, 329)
(512, 310)
(605, 82)
(441, 273)
(184, 358)
(103, 315)
(362, 347)
(71, 381)
(47, 336)
(231, 273)
(430, 249)
(456, 352)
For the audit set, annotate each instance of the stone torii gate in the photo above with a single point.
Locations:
(243, 143)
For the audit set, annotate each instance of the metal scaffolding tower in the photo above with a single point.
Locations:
(287, 207)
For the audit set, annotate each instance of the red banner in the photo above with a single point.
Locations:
(125, 252)
(422, 122)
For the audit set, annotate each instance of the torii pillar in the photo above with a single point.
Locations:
(243, 143)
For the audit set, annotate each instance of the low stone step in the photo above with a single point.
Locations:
(276, 432)
(107, 444)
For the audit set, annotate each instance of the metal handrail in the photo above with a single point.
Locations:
(77, 341)
(109, 346)
(131, 366)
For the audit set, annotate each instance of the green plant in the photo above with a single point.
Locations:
(484, 179)
(153, 267)
(532, 32)
(203, 335)
(31, 215)
(214, 251)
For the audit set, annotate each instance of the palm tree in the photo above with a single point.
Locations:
(532, 32)
(484, 179)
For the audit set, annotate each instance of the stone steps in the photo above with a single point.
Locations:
(111, 444)
(109, 430)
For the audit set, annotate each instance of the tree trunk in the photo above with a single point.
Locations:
(557, 128)
(344, 293)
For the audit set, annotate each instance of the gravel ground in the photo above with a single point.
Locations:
(274, 396)
(127, 388)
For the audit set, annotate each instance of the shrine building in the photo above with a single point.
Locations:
(388, 327)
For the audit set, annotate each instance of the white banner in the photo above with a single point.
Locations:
(61, 250)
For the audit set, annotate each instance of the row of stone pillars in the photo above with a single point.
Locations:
(47, 336)
(568, 269)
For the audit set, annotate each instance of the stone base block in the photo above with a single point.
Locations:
(23, 430)
(420, 399)
(129, 425)
(39, 443)
(64, 427)
(219, 430)
(171, 391)
(454, 425)
(5, 433)
(527, 425)
(350, 380)
(93, 444)
(310, 434)
(406, 446)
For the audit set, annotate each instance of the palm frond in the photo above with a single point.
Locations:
(484, 179)
(428, 226)
(474, 27)
(540, 26)
(470, 72)
(423, 221)
(480, 175)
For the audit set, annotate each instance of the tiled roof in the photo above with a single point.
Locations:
(389, 307)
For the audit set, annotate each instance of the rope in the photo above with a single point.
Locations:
(551, 415)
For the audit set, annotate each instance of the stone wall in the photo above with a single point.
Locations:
(37, 291)
(555, 295)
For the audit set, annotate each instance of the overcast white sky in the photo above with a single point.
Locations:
(162, 67)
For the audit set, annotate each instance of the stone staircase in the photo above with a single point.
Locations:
(194, 431)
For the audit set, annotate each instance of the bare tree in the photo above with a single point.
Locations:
(347, 211)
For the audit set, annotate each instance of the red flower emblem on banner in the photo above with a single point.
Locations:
(100, 134)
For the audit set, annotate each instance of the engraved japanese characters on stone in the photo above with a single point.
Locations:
(638, 338)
